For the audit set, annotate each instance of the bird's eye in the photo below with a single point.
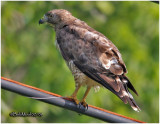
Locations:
(51, 16)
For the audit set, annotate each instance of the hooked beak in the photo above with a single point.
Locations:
(43, 20)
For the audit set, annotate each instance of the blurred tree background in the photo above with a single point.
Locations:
(30, 56)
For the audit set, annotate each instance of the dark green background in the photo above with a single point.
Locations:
(30, 56)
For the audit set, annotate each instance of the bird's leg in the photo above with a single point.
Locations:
(74, 95)
(83, 102)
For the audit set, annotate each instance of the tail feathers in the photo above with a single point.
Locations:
(130, 86)
(132, 102)
(126, 96)
(134, 105)
(119, 86)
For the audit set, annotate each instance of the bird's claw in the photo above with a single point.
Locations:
(75, 100)
(84, 104)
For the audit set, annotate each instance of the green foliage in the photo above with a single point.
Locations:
(30, 56)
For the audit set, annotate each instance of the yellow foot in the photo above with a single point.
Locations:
(74, 99)
(85, 105)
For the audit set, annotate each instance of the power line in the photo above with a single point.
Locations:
(155, 1)
(55, 99)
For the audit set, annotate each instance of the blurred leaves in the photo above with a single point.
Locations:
(30, 56)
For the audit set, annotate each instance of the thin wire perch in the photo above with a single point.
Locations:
(55, 99)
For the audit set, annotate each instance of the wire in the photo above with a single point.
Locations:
(156, 1)
(58, 100)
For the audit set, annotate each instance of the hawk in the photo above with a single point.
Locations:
(92, 58)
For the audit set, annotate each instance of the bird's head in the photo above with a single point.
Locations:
(57, 17)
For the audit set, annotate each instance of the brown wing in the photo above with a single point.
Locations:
(98, 58)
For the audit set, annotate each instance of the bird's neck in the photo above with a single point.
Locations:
(64, 22)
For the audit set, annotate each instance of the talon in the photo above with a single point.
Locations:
(85, 105)
(74, 99)
(79, 105)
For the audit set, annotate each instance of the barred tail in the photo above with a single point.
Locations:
(119, 84)
(125, 95)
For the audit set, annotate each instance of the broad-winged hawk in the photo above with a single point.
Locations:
(92, 58)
